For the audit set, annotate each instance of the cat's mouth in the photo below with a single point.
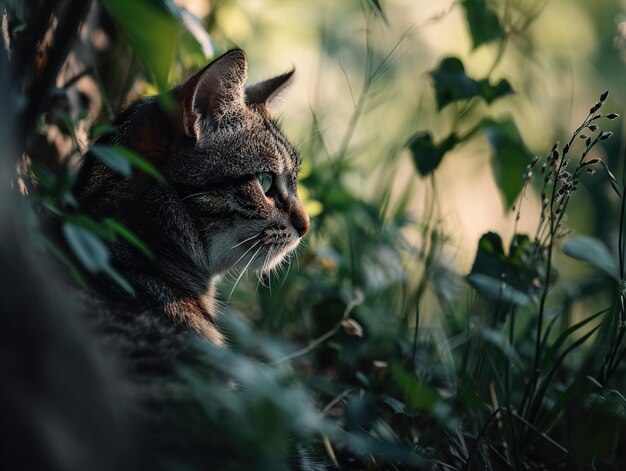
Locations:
(266, 252)
(278, 254)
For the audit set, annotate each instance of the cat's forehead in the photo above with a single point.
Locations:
(274, 151)
(255, 146)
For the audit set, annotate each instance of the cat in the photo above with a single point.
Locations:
(228, 200)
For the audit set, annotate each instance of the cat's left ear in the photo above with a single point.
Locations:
(267, 92)
(213, 93)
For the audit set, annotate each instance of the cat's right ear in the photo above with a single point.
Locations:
(265, 93)
(214, 92)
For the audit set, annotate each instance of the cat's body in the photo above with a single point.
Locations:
(136, 390)
(229, 198)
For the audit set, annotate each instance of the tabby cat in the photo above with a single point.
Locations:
(229, 198)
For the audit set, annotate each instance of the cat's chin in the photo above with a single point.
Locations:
(259, 259)
(275, 256)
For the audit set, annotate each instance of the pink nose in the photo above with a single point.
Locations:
(300, 219)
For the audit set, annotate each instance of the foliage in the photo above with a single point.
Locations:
(359, 379)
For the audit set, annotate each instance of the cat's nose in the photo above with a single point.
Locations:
(300, 219)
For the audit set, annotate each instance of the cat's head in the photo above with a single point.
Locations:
(234, 171)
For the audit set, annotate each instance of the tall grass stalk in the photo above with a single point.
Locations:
(563, 184)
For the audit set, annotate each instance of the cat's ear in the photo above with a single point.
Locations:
(214, 92)
(266, 92)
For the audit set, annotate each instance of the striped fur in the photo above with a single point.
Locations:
(211, 214)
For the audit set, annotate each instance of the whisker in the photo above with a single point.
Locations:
(194, 194)
(258, 281)
(244, 254)
(244, 241)
(262, 280)
(287, 273)
(270, 255)
(297, 254)
(264, 269)
(243, 271)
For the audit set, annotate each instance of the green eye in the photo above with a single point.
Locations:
(265, 179)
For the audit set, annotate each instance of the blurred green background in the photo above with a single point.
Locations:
(556, 55)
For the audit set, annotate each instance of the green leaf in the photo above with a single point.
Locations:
(451, 83)
(504, 278)
(484, 25)
(153, 29)
(574, 394)
(128, 235)
(426, 155)
(399, 407)
(44, 176)
(140, 163)
(520, 244)
(358, 412)
(90, 224)
(510, 157)
(497, 290)
(122, 160)
(195, 46)
(100, 129)
(594, 252)
(491, 243)
(119, 279)
(70, 267)
(492, 92)
(498, 340)
(158, 30)
(377, 9)
(66, 125)
(196, 42)
(87, 247)
(595, 436)
(112, 158)
(93, 254)
(417, 395)
(490, 257)
(552, 351)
